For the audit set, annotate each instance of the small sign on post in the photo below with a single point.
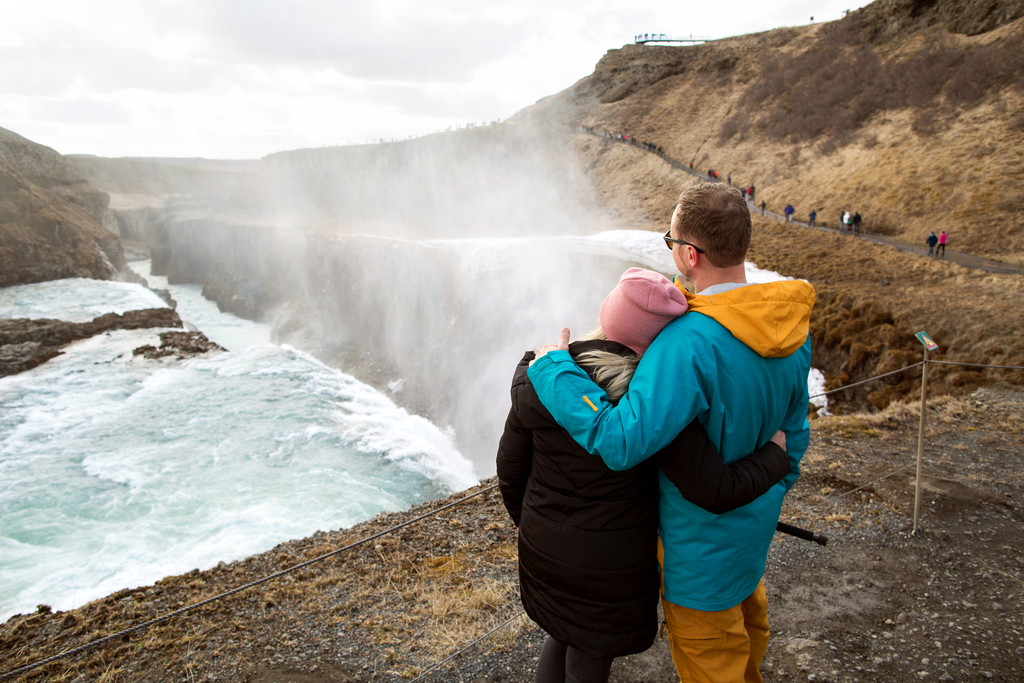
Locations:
(929, 345)
(928, 342)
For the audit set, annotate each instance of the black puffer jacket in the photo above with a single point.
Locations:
(587, 534)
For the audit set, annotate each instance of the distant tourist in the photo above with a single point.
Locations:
(847, 222)
(762, 205)
(588, 535)
(743, 191)
(942, 245)
(789, 211)
(856, 223)
(750, 192)
(811, 217)
(932, 241)
(728, 179)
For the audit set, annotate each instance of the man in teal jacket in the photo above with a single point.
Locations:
(738, 361)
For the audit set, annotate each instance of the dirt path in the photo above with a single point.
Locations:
(959, 258)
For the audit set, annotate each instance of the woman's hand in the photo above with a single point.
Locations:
(563, 345)
(779, 438)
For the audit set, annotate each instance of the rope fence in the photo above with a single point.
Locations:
(468, 647)
(924, 384)
(831, 501)
(234, 591)
(835, 499)
(977, 365)
(869, 379)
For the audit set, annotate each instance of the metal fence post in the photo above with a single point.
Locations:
(929, 344)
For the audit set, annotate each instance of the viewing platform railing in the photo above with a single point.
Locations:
(642, 38)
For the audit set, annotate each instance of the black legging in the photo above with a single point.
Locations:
(560, 663)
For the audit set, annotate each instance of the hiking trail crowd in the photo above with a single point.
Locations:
(848, 223)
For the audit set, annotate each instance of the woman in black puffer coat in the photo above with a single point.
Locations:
(587, 534)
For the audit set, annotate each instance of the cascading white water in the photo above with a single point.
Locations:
(119, 470)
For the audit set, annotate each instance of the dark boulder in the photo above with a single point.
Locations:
(25, 343)
(181, 345)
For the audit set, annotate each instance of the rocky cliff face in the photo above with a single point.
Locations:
(51, 219)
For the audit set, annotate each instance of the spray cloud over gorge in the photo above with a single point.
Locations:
(401, 285)
(424, 268)
(398, 286)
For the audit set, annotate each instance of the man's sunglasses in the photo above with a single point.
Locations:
(669, 241)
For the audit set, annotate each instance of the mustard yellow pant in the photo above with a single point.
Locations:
(718, 647)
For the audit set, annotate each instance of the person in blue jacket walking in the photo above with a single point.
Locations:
(738, 363)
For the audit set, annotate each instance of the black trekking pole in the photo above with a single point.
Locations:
(801, 533)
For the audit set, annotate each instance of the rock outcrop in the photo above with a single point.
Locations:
(51, 219)
(26, 343)
(180, 345)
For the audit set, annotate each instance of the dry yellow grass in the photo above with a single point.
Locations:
(965, 175)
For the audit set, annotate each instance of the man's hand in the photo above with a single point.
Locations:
(779, 438)
(563, 344)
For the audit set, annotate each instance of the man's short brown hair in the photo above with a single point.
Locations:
(715, 217)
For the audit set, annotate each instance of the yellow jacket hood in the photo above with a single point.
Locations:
(771, 318)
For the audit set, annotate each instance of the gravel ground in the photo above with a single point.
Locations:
(877, 603)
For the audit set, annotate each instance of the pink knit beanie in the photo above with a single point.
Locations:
(636, 310)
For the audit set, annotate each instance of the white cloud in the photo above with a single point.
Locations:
(222, 78)
(81, 111)
(362, 42)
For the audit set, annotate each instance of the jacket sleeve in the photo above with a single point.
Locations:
(515, 459)
(664, 395)
(693, 464)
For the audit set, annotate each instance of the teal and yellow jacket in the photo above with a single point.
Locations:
(737, 361)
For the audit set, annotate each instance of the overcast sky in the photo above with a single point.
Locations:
(238, 80)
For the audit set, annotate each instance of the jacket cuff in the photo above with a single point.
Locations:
(549, 358)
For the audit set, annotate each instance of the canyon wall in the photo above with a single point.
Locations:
(53, 223)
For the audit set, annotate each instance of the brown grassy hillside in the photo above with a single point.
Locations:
(901, 116)
(908, 112)
(871, 301)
